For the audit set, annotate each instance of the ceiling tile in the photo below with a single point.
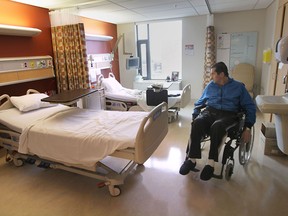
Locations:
(121, 11)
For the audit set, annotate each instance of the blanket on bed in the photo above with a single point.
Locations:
(80, 137)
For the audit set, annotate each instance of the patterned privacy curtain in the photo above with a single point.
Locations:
(70, 58)
(210, 54)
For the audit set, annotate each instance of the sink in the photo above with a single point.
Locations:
(273, 104)
(278, 105)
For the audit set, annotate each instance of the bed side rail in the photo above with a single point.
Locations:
(111, 75)
(100, 79)
(116, 105)
(186, 95)
(32, 91)
(9, 139)
(152, 131)
(5, 102)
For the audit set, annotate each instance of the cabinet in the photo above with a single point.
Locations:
(279, 77)
(142, 85)
(96, 100)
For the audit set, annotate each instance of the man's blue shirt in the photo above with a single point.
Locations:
(232, 96)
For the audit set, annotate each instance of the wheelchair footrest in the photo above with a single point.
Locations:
(218, 176)
(195, 170)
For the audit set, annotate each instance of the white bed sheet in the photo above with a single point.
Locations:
(127, 95)
(142, 102)
(17, 120)
(115, 91)
(141, 98)
(76, 136)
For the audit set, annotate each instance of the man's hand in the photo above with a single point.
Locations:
(246, 135)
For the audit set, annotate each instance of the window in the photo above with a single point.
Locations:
(159, 47)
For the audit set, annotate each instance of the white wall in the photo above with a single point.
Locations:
(194, 32)
(270, 26)
(129, 41)
(244, 22)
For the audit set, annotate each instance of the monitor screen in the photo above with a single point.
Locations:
(132, 63)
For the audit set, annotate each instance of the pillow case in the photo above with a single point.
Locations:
(29, 102)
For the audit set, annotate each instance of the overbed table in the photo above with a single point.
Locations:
(69, 97)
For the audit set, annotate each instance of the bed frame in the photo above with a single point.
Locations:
(151, 132)
(119, 105)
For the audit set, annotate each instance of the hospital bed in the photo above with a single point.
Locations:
(79, 140)
(124, 99)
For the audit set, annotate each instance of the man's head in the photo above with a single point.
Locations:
(220, 67)
(219, 73)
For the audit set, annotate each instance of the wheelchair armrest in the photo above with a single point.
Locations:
(200, 106)
(241, 115)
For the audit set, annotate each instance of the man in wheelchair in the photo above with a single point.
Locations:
(222, 98)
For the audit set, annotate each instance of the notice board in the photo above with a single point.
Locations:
(238, 47)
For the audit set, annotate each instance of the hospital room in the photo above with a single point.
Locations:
(171, 107)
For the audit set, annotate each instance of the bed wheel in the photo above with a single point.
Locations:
(18, 162)
(114, 190)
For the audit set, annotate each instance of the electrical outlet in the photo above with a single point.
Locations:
(24, 65)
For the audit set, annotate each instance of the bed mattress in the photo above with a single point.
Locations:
(71, 135)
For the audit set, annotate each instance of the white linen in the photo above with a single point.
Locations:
(80, 137)
(127, 95)
(30, 102)
(17, 120)
(142, 102)
(115, 91)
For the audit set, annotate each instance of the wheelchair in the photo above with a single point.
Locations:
(232, 142)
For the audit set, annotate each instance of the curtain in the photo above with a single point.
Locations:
(210, 54)
(70, 58)
(67, 16)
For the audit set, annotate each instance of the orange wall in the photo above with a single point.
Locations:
(13, 13)
(96, 47)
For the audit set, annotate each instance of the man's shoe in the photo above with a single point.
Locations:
(186, 167)
(207, 173)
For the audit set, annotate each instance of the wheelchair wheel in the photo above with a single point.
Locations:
(245, 149)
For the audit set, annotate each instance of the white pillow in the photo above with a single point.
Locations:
(29, 102)
(111, 85)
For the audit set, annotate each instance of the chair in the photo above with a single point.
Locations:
(232, 142)
(244, 72)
